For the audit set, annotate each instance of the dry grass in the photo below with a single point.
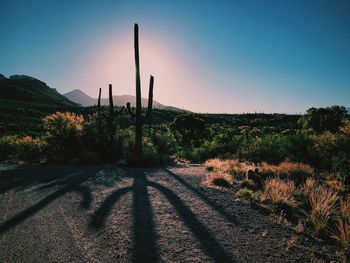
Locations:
(323, 205)
(289, 167)
(219, 179)
(335, 184)
(309, 186)
(342, 234)
(268, 169)
(240, 169)
(279, 191)
(219, 165)
(236, 167)
(345, 209)
(233, 167)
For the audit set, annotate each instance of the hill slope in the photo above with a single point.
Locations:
(24, 101)
(21, 88)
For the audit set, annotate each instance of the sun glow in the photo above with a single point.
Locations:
(113, 62)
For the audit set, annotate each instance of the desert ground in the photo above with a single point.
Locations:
(61, 213)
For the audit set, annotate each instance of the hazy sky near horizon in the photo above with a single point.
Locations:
(206, 56)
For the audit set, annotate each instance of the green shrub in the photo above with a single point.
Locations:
(164, 143)
(246, 193)
(64, 131)
(324, 119)
(7, 145)
(263, 149)
(150, 156)
(15, 148)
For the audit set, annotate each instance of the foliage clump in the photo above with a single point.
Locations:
(64, 132)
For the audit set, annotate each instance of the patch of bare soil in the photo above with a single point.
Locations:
(113, 214)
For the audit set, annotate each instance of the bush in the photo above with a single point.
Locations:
(188, 129)
(63, 124)
(7, 146)
(263, 149)
(150, 156)
(15, 148)
(297, 172)
(246, 193)
(333, 154)
(64, 131)
(164, 143)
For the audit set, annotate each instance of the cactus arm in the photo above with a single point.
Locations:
(99, 111)
(119, 111)
(111, 115)
(110, 98)
(130, 111)
(150, 96)
(99, 100)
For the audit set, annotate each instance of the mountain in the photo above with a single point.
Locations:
(85, 100)
(80, 97)
(26, 89)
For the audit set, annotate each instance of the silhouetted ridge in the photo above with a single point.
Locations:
(22, 88)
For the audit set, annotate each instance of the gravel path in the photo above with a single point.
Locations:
(113, 214)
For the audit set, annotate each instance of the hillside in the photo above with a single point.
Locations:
(85, 100)
(24, 101)
(21, 88)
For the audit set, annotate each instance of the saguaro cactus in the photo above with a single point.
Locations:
(99, 111)
(112, 115)
(138, 112)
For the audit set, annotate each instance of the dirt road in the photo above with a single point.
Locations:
(113, 214)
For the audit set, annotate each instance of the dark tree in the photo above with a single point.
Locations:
(189, 127)
(324, 119)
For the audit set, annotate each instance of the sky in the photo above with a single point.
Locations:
(206, 56)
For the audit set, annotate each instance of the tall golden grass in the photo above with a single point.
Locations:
(236, 167)
(218, 178)
(342, 234)
(323, 202)
(345, 209)
(289, 167)
(279, 191)
(309, 185)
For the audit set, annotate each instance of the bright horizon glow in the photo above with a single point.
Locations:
(226, 57)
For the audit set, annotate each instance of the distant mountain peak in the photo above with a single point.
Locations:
(85, 100)
(80, 97)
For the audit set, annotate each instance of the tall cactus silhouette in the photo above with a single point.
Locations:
(139, 119)
(111, 115)
(99, 111)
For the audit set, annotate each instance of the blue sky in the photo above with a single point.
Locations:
(206, 56)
